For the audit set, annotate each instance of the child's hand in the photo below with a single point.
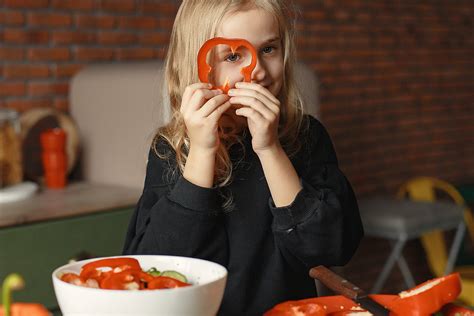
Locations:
(201, 109)
(262, 110)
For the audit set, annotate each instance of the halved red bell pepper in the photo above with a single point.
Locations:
(428, 297)
(204, 68)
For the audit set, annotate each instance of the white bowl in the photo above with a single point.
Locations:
(203, 298)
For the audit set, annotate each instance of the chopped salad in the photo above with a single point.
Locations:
(124, 274)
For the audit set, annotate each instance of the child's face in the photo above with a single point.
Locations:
(260, 28)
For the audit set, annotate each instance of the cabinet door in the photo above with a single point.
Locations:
(36, 250)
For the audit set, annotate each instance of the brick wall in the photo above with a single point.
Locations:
(397, 81)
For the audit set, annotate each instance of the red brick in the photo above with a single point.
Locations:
(11, 53)
(61, 104)
(56, 54)
(66, 70)
(96, 22)
(8, 89)
(165, 8)
(28, 4)
(136, 53)
(122, 6)
(49, 19)
(69, 37)
(82, 5)
(20, 36)
(116, 38)
(12, 18)
(25, 71)
(91, 54)
(139, 22)
(23, 105)
(156, 38)
(47, 88)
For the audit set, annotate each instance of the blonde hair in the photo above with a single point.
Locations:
(197, 21)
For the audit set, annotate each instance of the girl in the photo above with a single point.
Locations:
(244, 179)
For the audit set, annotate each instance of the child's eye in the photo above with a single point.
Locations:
(268, 49)
(232, 58)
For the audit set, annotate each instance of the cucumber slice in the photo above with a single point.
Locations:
(175, 275)
(153, 272)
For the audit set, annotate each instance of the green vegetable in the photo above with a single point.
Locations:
(153, 272)
(175, 275)
(12, 282)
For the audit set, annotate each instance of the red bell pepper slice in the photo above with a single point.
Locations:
(92, 269)
(204, 68)
(162, 282)
(455, 310)
(428, 297)
(120, 280)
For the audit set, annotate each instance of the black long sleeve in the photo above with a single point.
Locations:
(267, 250)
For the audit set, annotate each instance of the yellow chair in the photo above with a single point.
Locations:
(424, 189)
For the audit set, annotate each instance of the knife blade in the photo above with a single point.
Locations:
(341, 286)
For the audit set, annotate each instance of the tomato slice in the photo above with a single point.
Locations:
(162, 282)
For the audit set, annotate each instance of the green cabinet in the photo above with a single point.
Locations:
(35, 250)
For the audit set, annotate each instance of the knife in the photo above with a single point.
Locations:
(347, 289)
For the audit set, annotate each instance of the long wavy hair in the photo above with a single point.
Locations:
(197, 21)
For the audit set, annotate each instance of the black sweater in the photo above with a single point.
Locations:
(267, 250)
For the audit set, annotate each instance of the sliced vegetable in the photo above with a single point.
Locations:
(126, 280)
(153, 272)
(455, 310)
(204, 68)
(175, 275)
(163, 282)
(100, 269)
(428, 297)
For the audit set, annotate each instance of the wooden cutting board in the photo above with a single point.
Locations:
(33, 123)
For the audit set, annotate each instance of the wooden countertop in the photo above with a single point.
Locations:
(75, 199)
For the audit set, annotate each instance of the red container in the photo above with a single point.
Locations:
(53, 140)
(54, 161)
(53, 143)
(55, 180)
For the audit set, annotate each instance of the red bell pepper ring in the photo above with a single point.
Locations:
(162, 282)
(92, 269)
(204, 68)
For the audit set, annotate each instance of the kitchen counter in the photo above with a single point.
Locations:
(45, 231)
(75, 199)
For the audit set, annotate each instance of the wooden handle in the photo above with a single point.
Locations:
(336, 283)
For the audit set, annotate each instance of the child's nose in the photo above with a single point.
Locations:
(258, 74)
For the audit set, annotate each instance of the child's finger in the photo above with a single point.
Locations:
(216, 115)
(199, 97)
(252, 115)
(258, 88)
(254, 104)
(189, 91)
(257, 95)
(213, 104)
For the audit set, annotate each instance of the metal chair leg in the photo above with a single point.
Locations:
(455, 246)
(407, 275)
(393, 257)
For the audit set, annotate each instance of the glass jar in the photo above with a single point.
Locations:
(11, 171)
